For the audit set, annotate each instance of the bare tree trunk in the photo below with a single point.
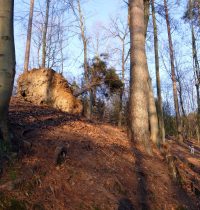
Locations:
(84, 40)
(120, 31)
(7, 63)
(139, 118)
(158, 83)
(153, 117)
(146, 15)
(44, 36)
(29, 33)
(122, 89)
(197, 77)
(173, 76)
(196, 67)
(181, 98)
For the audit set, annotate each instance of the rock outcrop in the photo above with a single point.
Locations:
(45, 86)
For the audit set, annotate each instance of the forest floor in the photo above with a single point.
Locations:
(101, 169)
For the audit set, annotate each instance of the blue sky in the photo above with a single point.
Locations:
(97, 13)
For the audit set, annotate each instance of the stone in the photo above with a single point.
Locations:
(45, 86)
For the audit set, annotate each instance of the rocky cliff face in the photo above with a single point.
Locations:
(45, 86)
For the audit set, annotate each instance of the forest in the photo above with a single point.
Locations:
(99, 105)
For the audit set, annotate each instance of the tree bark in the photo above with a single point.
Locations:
(197, 76)
(153, 117)
(173, 76)
(139, 119)
(158, 83)
(146, 15)
(7, 63)
(44, 36)
(29, 34)
(196, 67)
(84, 40)
(122, 89)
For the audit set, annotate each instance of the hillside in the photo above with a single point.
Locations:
(98, 169)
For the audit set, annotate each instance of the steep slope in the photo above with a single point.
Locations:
(98, 169)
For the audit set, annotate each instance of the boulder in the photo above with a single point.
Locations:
(45, 86)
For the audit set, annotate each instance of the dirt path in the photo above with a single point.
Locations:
(101, 170)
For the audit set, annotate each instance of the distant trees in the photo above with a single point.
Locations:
(44, 34)
(55, 22)
(192, 12)
(77, 11)
(29, 35)
(158, 82)
(7, 64)
(192, 15)
(103, 80)
(47, 35)
(173, 75)
(118, 29)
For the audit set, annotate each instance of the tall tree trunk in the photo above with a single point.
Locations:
(196, 67)
(181, 98)
(122, 89)
(7, 63)
(158, 83)
(44, 35)
(197, 77)
(146, 15)
(29, 33)
(84, 40)
(153, 117)
(173, 76)
(139, 119)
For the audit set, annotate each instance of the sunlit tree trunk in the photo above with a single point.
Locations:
(139, 118)
(146, 15)
(44, 35)
(173, 76)
(123, 80)
(85, 49)
(197, 78)
(153, 118)
(196, 67)
(29, 34)
(7, 63)
(158, 83)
